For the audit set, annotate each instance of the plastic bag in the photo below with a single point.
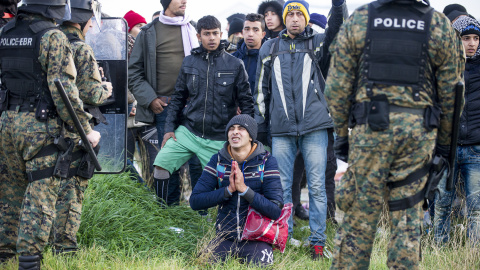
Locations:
(261, 228)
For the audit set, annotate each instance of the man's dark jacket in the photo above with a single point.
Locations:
(470, 120)
(291, 100)
(211, 86)
(266, 197)
(249, 58)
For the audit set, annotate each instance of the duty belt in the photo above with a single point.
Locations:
(360, 111)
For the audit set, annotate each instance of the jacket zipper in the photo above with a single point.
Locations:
(194, 82)
(224, 73)
(292, 56)
(206, 95)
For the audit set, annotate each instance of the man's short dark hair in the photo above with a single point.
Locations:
(254, 17)
(207, 23)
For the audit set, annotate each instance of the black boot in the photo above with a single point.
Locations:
(29, 262)
(4, 257)
(301, 213)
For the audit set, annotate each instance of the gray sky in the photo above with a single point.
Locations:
(223, 8)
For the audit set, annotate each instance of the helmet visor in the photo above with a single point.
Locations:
(68, 12)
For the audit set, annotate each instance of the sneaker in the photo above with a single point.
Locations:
(301, 213)
(294, 242)
(317, 252)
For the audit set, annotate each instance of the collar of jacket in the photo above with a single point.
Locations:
(69, 29)
(203, 52)
(259, 153)
(306, 34)
(243, 49)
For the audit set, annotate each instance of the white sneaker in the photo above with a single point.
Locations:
(294, 242)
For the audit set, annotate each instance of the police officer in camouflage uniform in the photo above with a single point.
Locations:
(93, 92)
(392, 76)
(33, 53)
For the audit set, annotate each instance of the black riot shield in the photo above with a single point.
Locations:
(109, 44)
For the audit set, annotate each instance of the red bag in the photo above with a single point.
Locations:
(260, 228)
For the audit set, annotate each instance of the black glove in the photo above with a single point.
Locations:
(340, 147)
(443, 150)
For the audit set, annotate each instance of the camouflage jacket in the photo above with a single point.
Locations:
(445, 69)
(56, 59)
(89, 81)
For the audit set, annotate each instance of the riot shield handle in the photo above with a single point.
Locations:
(85, 143)
(455, 124)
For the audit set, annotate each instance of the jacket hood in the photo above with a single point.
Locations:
(258, 151)
(306, 34)
(275, 5)
(202, 51)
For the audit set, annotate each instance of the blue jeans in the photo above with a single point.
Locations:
(314, 150)
(160, 124)
(467, 167)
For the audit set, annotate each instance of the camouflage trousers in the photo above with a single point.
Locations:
(376, 158)
(27, 209)
(68, 211)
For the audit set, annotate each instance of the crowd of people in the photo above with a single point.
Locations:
(253, 114)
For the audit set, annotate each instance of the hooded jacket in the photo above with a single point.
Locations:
(291, 101)
(211, 86)
(250, 59)
(278, 7)
(266, 197)
(470, 119)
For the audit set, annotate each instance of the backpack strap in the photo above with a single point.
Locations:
(220, 172)
(222, 168)
(261, 169)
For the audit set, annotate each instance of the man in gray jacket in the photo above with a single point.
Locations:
(289, 98)
(155, 62)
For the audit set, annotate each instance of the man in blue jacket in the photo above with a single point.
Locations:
(242, 173)
(289, 99)
(247, 51)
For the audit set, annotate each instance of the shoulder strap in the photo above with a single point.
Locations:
(42, 26)
(261, 168)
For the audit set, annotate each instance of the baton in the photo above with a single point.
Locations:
(455, 123)
(84, 141)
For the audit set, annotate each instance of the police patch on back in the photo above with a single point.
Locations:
(16, 42)
(393, 23)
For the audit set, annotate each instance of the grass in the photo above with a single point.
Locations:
(123, 227)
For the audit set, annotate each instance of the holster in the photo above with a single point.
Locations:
(86, 167)
(378, 113)
(64, 158)
(432, 117)
(439, 165)
(43, 110)
(374, 113)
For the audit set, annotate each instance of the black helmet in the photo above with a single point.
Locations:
(54, 9)
(83, 10)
